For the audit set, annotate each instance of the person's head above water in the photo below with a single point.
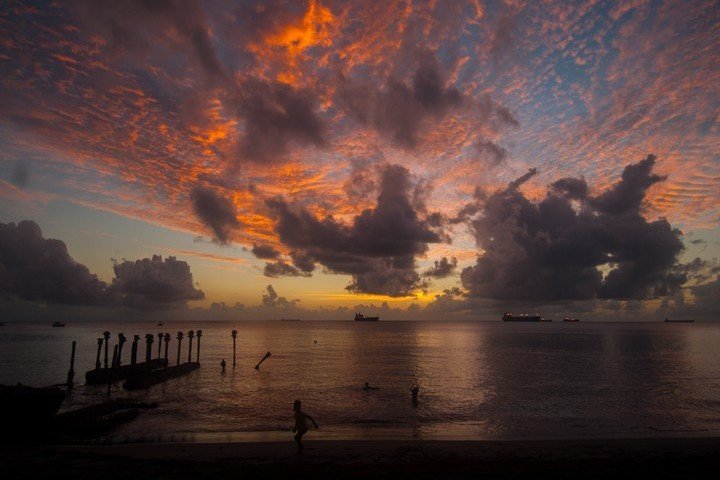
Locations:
(296, 405)
(367, 384)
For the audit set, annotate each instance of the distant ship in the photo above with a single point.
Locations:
(508, 317)
(571, 320)
(289, 319)
(160, 324)
(667, 320)
(359, 317)
(58, 324)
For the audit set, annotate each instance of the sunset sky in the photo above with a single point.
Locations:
(457, 159)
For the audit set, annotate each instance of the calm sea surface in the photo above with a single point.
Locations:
(477, 380)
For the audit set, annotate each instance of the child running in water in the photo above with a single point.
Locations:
(301, 425)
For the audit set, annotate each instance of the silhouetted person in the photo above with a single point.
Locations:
(414, 390)
(223, 365)
(301, 425)
(367, 387)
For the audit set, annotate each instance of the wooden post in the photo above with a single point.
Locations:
(97, 359)
(106, 334)
(112, 371)
(267, 355)
(71, 372)
(160, 340)
(133, 351)
(149, 339)
(179, 338)
(198, 334)
(121, 341)
(167, 343)
(191, 335)
(234, 336)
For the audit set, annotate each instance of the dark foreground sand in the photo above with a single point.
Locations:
(636, 458)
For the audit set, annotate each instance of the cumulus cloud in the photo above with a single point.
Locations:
(273, 300)
(137, 26)
(399, 110)
(572, 245)
(492, 153)
(41, 269)
(276, 114)
(380, 245)
(155, 282)
(442, 268)
(215, 211)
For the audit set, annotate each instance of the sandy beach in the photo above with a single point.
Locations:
(639, 458)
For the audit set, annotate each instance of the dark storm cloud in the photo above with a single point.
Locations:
(41, 269)
(265, 252)
(134, 26)
(707, 296)
(398, 110)
(215, 211)
(276, 114)
(153, 283)
(442, 268)
(628, 194)
(378, 248)
(282, 269)
(555, 250)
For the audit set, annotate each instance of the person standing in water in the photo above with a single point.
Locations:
(414, 390)
(301, 425)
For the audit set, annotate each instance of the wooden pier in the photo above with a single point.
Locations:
(103, 375)
(139, 379)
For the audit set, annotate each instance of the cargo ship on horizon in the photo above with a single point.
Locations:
(359, 317)
(508, 317)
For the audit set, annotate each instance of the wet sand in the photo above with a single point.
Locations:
(639, 458)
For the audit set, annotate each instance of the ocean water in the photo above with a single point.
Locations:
(478, 380)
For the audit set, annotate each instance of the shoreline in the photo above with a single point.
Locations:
(592, 458)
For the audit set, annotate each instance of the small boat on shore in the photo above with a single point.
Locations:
(359, 317)
(58, 324)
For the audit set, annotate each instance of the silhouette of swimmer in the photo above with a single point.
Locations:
(301, 425)
(414, 390)
(223, 365)
(367, 387)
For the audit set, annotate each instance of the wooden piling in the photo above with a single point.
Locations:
(99, 350)
(267, 355)
(121, 341)
(179, 339)
(110, 378)
(191, 335)
(133, 351)
(198, 335)
(160, 340)
(166, 337)
(234, 336)
(149, 339)
(71, 372)
(106, 335)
